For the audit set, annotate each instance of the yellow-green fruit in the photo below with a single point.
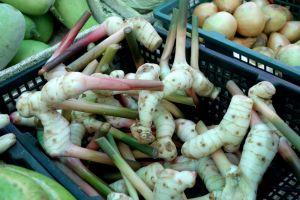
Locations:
(69, 11)
(12, 30)
(14, 186)
(289, 55)
(44, 25)
(54, 190)
(30, 30)
(31, 7)
(28, 48)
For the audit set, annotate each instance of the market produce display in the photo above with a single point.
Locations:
(257, 24)
(91, 115)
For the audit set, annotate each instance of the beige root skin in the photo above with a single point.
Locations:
(6, 141)
(17, 119)
(229, 133)
(242, 181)
(145, 33)
(149, 174)
(205, 166)
(165, 127)
(118, 196)
(259, 150)
(4, 120)
(147, 103)
(171, 184)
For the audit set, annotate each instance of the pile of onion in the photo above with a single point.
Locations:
(257, 24)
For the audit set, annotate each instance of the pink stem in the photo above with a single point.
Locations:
(89, 190)
(92, 145)
(103, 83)
(70, 37)
(91, 155)
(87, 154)
(94, 36)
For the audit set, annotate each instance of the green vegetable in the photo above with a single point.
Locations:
(12, 29)
(54, 190)
(27, 49)
(30, 30)
(44, 25)
(69, 11)
(31, 7)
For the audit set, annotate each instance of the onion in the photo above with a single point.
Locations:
(261, 3)
(228, 5)
(261, 41)
(265, 51)
(289, 55)
(276, 18)
(222, 22)
(288, 14)
(247, 42)
(203, 11)
(276, 41)
(250, 18)
(291, 30)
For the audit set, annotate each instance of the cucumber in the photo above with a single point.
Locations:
(30, 30)
(12, 29)
(44, 25)
(31, 7)
(12, 183)
(54, 190)
(27, 49)
(69, 11)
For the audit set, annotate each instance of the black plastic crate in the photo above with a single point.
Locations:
(279, 182)
(27, 153)
(219, 43)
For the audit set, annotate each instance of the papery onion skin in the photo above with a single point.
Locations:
(203, 11)
(288, 14)
(261, 41)
(227, 5)
(265, 51)
(276, 18)
(250, 18)
(247, 42)
(276, 41)
(291, 30)
(222, 22)
(261, 3)
(289, 55)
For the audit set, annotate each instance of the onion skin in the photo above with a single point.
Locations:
(276, 18)
(288, 14)
(291, 30)
(276, 41)
(222, 22)
(289, 55)
(203, 11)
(250, 18)
(265, 51)
(247, 42)
(228, 5)
(261, 41)
(261, 3)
